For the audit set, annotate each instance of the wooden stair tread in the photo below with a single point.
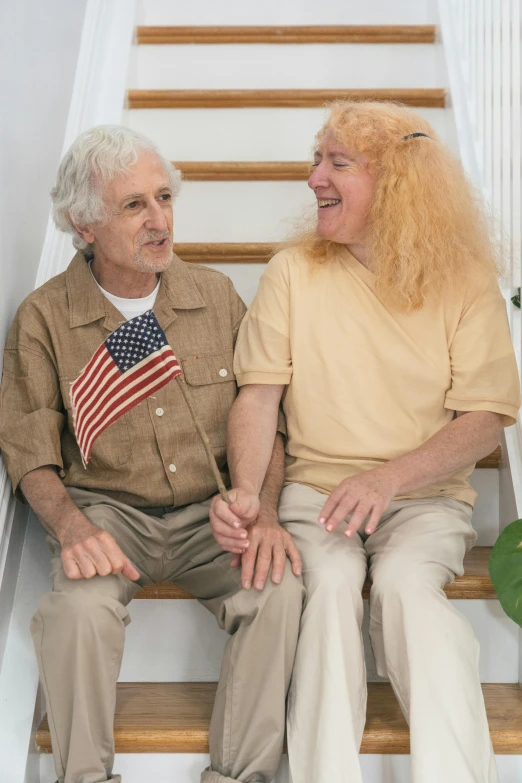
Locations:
(225, 252)
(244, 170)
(173, 717)
(287, 34)
(474, 584)
(220, 99)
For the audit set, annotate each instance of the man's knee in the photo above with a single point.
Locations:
(288, 594)
(276, 602)
(80, 612)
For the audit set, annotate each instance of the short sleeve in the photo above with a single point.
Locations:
(484, 373)
(262, 352)
(31, 415)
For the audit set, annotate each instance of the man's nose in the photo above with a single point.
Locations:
(318, 177)
(156, 218)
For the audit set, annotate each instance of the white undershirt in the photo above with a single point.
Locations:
(130, 308)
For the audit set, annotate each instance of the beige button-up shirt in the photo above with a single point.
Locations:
(152, 455)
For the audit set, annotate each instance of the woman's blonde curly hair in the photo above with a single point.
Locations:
(427, 227)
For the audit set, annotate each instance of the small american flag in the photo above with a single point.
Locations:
(133, 362)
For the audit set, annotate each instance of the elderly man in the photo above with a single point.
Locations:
(123, 489)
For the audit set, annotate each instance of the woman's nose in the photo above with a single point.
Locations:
(318, 177)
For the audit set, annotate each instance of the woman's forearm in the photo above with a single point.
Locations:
(252, 427)
(459, 444)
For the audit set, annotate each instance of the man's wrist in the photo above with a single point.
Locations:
(268, 512)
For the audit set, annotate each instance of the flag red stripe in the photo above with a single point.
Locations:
(85, 375)
(110, 389)
(161, 378)
(110, 375)
(126, 387)
(95, 376)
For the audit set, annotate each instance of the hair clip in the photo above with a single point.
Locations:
(414, 136)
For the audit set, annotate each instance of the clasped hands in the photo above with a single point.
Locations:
(254, 536)
(256, 539)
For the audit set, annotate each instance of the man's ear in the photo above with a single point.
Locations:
(85, 233)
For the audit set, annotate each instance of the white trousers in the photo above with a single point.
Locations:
(426, 648)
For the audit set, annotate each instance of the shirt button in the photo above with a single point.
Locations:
(159, 411)
(172, 468)
(223, 373)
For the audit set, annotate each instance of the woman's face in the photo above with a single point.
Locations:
(344, 187)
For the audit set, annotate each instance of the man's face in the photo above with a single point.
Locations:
(138, 235)
(344, 187)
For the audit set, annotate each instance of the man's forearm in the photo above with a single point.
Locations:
(252, 427)
(459, 444)
(274, 477)
(49, 500)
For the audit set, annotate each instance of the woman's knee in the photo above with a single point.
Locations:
(336, 585)
(398, 579)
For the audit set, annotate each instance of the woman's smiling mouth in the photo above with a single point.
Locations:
(322, 203)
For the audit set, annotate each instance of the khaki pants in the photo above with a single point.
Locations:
(425, 647)
(79, 631)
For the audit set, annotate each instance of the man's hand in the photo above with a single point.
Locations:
(270, 544)
(88, 550)
(367, 495)
(228, 523)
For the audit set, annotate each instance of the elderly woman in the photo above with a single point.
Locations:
(386, 331)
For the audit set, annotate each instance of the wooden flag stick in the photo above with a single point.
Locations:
(206, 443)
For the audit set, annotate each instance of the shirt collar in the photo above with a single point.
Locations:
(178, 291)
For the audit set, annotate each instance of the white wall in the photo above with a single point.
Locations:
(39, 42)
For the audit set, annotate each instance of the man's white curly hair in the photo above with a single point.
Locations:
(93, 160)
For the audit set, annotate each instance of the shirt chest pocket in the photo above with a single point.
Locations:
(112, 447)
(212, 385)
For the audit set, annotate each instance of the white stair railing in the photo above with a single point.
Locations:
(482, 45)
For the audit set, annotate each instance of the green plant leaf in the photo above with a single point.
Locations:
(505, 570)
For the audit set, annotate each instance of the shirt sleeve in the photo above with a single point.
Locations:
(31, 412)
(263, 352)
(237, 310)
(484, 373)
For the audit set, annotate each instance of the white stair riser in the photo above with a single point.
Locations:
(486, 510)
(244, 276)
(307, 66)
(287, 12)
(179, 641)
(187, 768)
(208, 211)
(247, 134)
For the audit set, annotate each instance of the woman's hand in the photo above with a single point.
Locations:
(365, 496)
(228, 523)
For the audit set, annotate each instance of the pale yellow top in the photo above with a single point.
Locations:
(367, 383)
